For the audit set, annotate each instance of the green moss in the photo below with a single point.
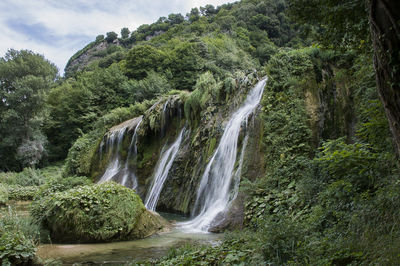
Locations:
(206, 92)
(80, 155)
(148, 224)
(102, 212)
(148, 153)
(211, 146)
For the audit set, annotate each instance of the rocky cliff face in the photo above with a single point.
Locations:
(329, 104)
(92, 52)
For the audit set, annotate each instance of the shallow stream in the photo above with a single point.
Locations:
(117, 253)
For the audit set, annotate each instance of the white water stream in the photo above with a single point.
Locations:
(116, 167)
(214, 193)
(130, 175)
(161, 173)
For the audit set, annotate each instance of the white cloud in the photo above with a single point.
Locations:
(57, 29)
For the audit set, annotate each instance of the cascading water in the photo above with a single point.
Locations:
(164, 118)
(114, 166)
(161, 173)
(128, 174)
(238, 173)
(118, 169)
(214, 193)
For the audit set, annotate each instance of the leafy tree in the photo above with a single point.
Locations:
(143, 58)
(25, 78)
(226, 22)
(175, 18)
(76, 104)
(71, 112)
(208, 10)
(99, 38)
(205, 93)
(186, 63)
(194, 14)
(125, 33)
(111, 36)
(150, 87)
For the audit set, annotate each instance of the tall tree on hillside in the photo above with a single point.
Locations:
(125, 33)
(358, 24)
(24, 79)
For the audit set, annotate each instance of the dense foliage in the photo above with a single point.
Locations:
(328, 193)
(25, 77)
(18, 238)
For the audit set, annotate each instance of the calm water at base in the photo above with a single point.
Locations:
(118, 253)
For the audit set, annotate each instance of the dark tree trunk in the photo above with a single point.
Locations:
(385, 33)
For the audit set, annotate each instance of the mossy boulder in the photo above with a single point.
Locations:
(95, 213)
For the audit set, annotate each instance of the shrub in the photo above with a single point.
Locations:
(206, 92)
(111, 36)
(28, 177)
(79, 156)
(59, 183)
(144, 58)
(148, 88)
(22, 193)
(17, 237)
(3, 194)
(101, 212)
(356, 162)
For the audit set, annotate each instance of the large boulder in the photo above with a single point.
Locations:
(232, 219)
(96, 213)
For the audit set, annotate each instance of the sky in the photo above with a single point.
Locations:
(57, 29)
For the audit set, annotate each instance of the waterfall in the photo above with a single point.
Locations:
(117, 169)
(167, 157)
(114, 165)
(164, 118)
(214, 192)
(128, 174)
(238, 173)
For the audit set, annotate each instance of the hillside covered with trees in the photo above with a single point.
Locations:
(317, 165)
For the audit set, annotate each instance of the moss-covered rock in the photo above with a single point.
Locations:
(148, 224)
(98, 213)
(232, 219)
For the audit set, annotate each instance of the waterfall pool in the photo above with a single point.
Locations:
(117, 253)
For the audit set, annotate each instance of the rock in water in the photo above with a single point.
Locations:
(97, 213)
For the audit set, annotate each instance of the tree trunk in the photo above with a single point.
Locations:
(385, 33)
